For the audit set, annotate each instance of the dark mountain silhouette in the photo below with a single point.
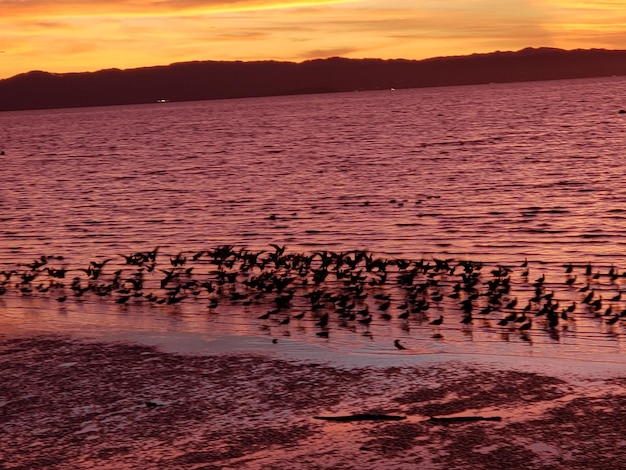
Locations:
(208, 80)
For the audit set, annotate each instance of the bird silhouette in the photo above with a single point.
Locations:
(437, 321)
(397, 344)
(323, 321)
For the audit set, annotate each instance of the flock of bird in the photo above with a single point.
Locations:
(325, 290)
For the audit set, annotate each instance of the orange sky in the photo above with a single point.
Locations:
(85, 35)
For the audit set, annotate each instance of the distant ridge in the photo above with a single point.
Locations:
(188, 81)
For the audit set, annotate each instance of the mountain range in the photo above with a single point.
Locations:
(207, 80)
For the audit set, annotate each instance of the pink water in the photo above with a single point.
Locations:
(495, 173)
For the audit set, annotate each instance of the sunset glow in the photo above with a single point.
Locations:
(80, 35)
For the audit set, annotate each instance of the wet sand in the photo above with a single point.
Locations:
(68, 403)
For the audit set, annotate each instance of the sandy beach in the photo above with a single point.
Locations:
(69, 403)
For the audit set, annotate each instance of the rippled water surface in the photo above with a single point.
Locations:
(496, 173)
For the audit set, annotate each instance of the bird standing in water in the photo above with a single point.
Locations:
(397, 344)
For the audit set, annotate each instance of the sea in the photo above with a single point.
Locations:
(517, 177)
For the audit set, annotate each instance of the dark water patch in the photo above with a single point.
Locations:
(543, 231)
(16, 235)
(468, 216)
(594, 235)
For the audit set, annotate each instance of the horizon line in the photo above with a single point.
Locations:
(529, 48)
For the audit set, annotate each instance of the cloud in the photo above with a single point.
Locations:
(73, 8)
(320, 53)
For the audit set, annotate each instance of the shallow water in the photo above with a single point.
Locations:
(497, 173)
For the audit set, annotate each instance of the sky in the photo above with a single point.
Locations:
(86, 35)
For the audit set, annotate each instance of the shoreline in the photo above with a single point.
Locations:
(356, 302)
(71, 403)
